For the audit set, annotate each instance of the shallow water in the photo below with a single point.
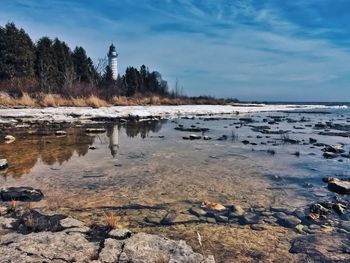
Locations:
(145, 169)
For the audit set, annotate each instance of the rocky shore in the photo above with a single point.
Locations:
(27, 235)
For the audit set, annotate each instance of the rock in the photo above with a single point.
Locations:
(154, 220)
(237, 210)
(61, 133)
(245, 142)
(71, 223)
(323, 247)
(330, 155)
(312, 140)
(319, 209)
(339, 186)
(194, 137)
(119, 246)
(95, 130)
(223, 138)
(337, 148)
(210, 220)
(24, 194)
(221, 219)
(285, 210)
(3, 210)
(3, 164)
(339, 208)
(47, 247)
(250, 218)
(111, 251)
(7, 223)
(287, 220)
(9, 138)
(197, 211)
(151, 248)
(206, 138)
(180, 218)
(213, 206)
(120, 233)
(345, 225)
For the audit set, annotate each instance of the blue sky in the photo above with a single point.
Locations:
(248, 49)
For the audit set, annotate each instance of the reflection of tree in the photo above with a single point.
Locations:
(23, 154)
(143, 128)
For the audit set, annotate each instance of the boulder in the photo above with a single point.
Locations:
(24, 194)
(339, 186)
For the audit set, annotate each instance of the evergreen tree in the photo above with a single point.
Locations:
(64, 70)
(16, 53)
(83, 66)
(45, 64)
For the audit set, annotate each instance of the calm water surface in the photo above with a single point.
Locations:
(145, 169)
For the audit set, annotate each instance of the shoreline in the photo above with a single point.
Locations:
(82, 114)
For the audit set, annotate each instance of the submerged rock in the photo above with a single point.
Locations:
(339, 186)
(197, 211)
(3, 164)
(287, 220)
(323, 247)
(25, 194)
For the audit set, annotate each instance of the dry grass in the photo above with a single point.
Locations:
(13, 204)
(25, 100)
(95, 102)
(111, 220)
(30, 222)
(56, 100)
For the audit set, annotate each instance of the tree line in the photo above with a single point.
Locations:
(50, 66)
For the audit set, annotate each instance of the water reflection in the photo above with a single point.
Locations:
(143, 128)
(28, 149)
(113, 135)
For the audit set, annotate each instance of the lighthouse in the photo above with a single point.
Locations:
(112, 61)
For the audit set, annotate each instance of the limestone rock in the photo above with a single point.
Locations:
(25, 194)
(120, 233)
(48, 246)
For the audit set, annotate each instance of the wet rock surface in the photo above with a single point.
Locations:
(25, 194)
(73, 243)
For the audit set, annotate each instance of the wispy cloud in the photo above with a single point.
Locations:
(251, 49)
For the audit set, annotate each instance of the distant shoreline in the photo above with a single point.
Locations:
(88, 114)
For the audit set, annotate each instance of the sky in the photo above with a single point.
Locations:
(271, 50)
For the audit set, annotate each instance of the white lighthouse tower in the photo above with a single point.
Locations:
(113, 61)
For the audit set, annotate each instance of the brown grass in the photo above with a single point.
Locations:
(56, 100)
(13, 204)
(111, 220)
(30, 222)
(95, 102)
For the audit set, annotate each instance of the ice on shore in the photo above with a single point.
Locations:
(69, 114)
